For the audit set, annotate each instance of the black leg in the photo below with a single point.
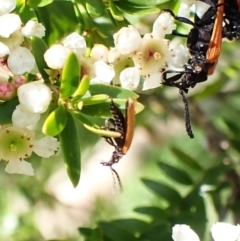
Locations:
(186, 115)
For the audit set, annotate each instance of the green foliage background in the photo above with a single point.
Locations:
(176, 180)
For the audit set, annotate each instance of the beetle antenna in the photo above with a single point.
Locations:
(114, 172)
(186, 115)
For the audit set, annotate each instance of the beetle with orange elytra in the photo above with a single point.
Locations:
(204, 43)
(123, 125)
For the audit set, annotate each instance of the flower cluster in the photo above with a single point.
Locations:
(133, 62)
(19, 139)
(220, 232)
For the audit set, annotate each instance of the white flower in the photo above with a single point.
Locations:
(152, 81)
(178, 56)
(9, 23)
(163, 25)
(24, 119)
(104, 73)
(46, 147)
(130, 78)
(14, 40)
(35, 97)
(56, 56)
(16, 145)
(76, 43)
(113, 55)
(6, 6)
(20, 60)
(99, 51)
(225, 232)
(4, 50)
(201, 8)
(33, 28)
(152, 56)
(127, 40)
(182, 232)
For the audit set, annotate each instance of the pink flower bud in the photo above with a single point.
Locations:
(19, 80)
(7, 91)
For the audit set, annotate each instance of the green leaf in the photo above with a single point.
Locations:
(131, 225)
(26, 13)
(116, 233)
(38, 3)
(116, 13)
(70, 146)
(95, 8)
(94, 128)
(58, 18)
(55, 122)
(103, 110)
(157, 232)
(154, 212)
(193, 203)
(186, 159)
(6, 110)
(132, 9)
(144, 2)
(82, 88)
(70, 76)
(91, 234)
(95, 99)
(39, 48)
(112, 91)
(176, 174)
(163, 191)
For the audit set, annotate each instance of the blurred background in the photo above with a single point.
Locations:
(167, 177)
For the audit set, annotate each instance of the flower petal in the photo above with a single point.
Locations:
(130, 78)
(21, 60)
(225, 232)
(182, 232)
(24, 119)
(19, 167)
(35, 96)
(46, 147)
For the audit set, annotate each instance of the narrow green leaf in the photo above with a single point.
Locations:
(163, 191)
(112, 91)
(131, 225)
(6, 110)
(116, 13)
(145, 3)
(95, 8)
(58, 18)
(116, 233)
(97, 235)
(186, 159)
(55, 122)
(103, 110)
(70, 146)
(95, 99)
(70, 76)
(94, 128)
(176, 174)
(38, 3)
(132, 9)
(157, 232)
(39, 48)
(82, 88)
(154, 212)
